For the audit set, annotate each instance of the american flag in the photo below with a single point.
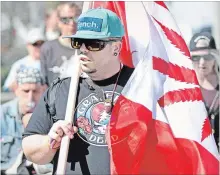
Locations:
(159, 124)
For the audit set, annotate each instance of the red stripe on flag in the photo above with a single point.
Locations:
(122, 112)
(119, 8)
(183, 95)
(122, 130)
(102, 4)
(174, 71)
(149, 147)
(175, 39)
(161, 3)
(206, 129)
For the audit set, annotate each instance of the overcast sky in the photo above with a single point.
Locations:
(193, 15)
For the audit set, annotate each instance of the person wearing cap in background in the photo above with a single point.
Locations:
(50, 26)
(14, 117)
(206, 61)
(35, 39)
(98, 38)
(56, 54)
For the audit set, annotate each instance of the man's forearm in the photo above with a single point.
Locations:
(36, 149)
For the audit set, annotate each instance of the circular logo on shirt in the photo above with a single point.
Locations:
(92, 119)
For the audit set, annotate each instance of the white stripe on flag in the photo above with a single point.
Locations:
(171, 85)
(138, 30)
(162, 15)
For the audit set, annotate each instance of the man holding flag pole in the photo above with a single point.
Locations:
(98, 39)
(158, 125)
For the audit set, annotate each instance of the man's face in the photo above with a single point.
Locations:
(52, 19)
(203, 64)
(96, 61)
(28, 95)
(34, 49)
(67, 20)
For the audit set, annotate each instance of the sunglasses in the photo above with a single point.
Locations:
(67, 20)
(90, 44)
(38, 44)
(205, 57)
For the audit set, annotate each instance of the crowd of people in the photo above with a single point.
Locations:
(48, 66)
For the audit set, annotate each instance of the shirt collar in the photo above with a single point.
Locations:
(14, 111)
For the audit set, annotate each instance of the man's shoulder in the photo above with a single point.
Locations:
(21, 61)
(9, 106)
(49, 44)
(60, 85)
(58, 82)
(9, 103)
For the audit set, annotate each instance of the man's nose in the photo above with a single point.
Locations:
(72, 22)
(202, 60)
(83, 49)
(30, 96)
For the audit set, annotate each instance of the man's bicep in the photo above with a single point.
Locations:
(40, 121)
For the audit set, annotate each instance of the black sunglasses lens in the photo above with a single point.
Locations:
(37, 44)
(76, 43)
(195, 58)
(90, 44)
(205, 57)
(208, 57)
(94, 45)
(65, 20)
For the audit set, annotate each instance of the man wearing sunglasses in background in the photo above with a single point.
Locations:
(98, 39)
(35, 39)
(206, 61)
(56, 54)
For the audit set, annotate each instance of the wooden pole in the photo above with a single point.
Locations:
(64, 147)
(70, 108)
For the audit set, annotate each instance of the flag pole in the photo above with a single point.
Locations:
(64, 148)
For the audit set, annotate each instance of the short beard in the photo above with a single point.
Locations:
(91, 71)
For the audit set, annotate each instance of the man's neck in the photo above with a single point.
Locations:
(106, 73)
(31, 58)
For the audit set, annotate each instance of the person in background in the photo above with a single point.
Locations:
(56, 55)
(35, 39)
(206, 61)
(15, 115)
(51, 29)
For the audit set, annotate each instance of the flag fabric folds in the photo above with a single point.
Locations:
(159, 124)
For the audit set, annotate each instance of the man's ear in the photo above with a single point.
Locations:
(59, 24)
(116, 47)
(28, 46)
(13, 86)
(16, 91)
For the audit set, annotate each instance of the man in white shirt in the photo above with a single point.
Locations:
(35, 39)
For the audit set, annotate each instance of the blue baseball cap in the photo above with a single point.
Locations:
(98, 23)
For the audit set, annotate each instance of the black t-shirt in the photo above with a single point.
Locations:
(88, 151)
(55, 60)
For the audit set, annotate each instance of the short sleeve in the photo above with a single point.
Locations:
(40, 122)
